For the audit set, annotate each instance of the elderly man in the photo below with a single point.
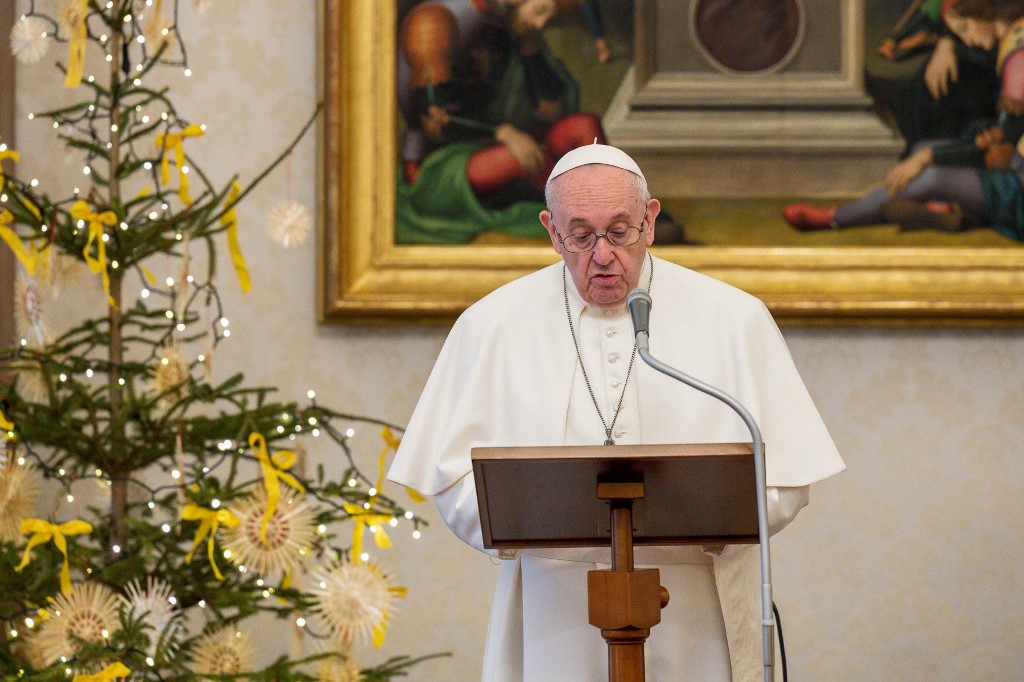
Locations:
(550, 360)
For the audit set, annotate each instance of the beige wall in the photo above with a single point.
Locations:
(907, 567)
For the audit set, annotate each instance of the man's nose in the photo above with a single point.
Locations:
(603, 250)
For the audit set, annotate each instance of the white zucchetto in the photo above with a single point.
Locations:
(595, 153)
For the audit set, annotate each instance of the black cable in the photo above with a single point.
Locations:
(782, 642)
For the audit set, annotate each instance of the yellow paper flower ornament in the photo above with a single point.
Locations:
(155, 606)
(353, 602)
(169, 376)
(339, 670)
(31, 302)
(289, 224)
(29, 40)
(88, 614)
(224, 652)
(290, 533)
(19, 491)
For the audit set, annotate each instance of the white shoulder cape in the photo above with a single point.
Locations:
(504, 375)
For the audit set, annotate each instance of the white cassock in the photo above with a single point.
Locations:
(508, 375)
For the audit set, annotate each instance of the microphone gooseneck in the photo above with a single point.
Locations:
(639, 303)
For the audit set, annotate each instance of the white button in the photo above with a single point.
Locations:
(620, 434)
(611, 332)
(616, 384)
(613, 357)
(609, 313)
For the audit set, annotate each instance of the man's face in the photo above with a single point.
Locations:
(531, 16)
(973, 32)
(597, 198)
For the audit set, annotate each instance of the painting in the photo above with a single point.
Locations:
(729, 139)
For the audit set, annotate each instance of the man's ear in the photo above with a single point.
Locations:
(653, 209)
(549, 225)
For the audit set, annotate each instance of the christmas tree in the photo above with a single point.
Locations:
(177, 506)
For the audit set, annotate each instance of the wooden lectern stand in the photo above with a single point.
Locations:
(618, 496)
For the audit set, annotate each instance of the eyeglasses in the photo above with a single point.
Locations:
(617, 236)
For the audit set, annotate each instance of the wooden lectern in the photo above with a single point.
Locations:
(618, 496)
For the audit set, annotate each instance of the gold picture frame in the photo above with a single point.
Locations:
(365, 278)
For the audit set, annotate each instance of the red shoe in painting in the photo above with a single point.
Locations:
(806, 217)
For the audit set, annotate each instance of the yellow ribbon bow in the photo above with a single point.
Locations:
(364, 517)
(76, 46)
(209, 521)
(108, 674)
(391, 442)
(27, 258)
(5, 423)
(230, 222)
(273, 472)
(172, 142)
(44, 531)
(380, 628)
(97, 221)
(6, 153)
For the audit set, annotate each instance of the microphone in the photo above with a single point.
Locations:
(639, 304)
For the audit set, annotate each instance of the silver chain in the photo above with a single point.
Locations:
(579, 356)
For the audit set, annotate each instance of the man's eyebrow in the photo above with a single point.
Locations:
(583, 222)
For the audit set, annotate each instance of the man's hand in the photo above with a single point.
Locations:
(434, 121)
(524, 148)
(906, 170)
(942, 68)
(887, 49)
(549, 110)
